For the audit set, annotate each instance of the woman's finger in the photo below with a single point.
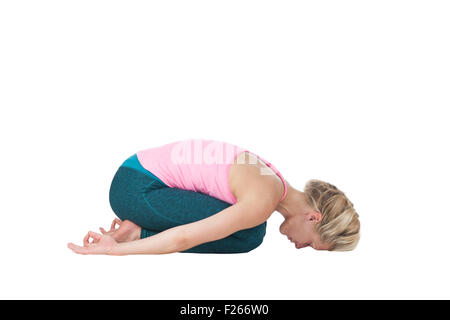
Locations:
(95, 238)
(113, 224)
(103, 231)
(77, 249)
(86, 240)
(94, 235)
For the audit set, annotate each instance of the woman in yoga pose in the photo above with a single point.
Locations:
(207, 196)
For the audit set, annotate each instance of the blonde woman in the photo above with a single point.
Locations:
(207, 196)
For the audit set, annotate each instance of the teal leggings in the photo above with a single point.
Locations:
(139, 196)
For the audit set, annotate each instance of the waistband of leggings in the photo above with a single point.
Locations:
(133, 163)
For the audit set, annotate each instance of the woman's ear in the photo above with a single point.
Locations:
(315, 216)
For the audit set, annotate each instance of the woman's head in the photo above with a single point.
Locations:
(324, 218)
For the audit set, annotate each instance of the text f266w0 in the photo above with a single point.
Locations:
(246, 309)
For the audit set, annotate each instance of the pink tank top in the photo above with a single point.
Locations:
(197, 165)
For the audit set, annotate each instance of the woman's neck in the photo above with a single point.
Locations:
(293, 203)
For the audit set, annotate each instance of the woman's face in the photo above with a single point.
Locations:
(300, 229)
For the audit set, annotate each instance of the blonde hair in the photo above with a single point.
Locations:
(340, 224)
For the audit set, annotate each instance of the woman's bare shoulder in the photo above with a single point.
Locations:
(248, 177)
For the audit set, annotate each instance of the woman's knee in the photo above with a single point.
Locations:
(122, 197)
(250, 239)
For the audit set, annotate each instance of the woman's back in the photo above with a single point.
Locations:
(204, 166)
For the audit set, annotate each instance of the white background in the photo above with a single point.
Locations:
(351, 92)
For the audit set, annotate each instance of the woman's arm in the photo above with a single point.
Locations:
(220, 225)
(167, 241)
(244, 214)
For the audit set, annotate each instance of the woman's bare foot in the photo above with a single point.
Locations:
(127, 231)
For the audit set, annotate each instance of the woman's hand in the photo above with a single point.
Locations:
(101, 244)
(112, 229)
(127, 231)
